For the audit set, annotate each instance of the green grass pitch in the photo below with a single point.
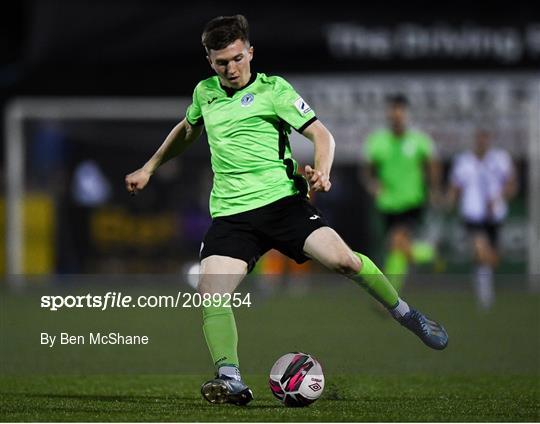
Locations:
(375, 370)
(351, 398)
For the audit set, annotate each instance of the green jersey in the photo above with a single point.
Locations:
(399, 162)
(248, 133)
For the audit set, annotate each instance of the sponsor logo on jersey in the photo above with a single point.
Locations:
(302, 106)
(247, 100)
(212, 100)
(314, 217)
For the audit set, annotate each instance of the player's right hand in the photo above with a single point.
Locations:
(137, 180)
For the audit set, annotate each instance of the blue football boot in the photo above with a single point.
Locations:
(431, 333)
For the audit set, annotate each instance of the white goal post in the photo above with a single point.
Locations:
(21, 109)
(534, 189)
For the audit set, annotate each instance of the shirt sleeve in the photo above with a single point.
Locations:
(193, 112)
(290, 106)
(427, 147)
(505, 165)
(369, 149)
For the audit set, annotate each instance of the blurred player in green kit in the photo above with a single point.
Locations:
(402, 174)
(259, 200)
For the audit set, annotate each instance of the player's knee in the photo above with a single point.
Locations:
(481, 251)
(347, 264)
(399, 240)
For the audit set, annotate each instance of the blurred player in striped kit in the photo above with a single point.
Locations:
(484, 180)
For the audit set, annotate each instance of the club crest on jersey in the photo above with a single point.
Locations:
(247, 100)
(302, 106)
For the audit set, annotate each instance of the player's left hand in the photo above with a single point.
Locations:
(318, 181)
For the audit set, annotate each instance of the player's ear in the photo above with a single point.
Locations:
(210, 63)
(250, 52)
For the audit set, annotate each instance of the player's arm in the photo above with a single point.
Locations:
(511, 184)
(180, 137)
(452, 196)
(324, 145)
(370, 180)
(455, 184)
(432, 168)
(434, 179)
(368, 172)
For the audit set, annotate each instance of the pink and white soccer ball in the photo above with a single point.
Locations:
(297, 379)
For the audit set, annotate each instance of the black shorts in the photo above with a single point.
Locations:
(488, 228)
(409, 218)
(283, 225)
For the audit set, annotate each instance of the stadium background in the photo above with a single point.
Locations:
(90, 89)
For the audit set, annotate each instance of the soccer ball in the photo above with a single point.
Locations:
(297, 379)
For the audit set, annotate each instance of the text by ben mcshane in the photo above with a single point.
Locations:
(93, 339)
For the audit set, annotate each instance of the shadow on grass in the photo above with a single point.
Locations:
(102, 398)
(131, 399)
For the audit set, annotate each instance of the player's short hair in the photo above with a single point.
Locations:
(398, 99)
(224, 30)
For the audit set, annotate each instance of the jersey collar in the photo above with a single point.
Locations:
(401, 137)
(230, 91)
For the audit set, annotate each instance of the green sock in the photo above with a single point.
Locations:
(373, 280)
(220, 333)
(395, 268)
(422, 252)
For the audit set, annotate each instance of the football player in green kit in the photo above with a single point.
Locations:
(398, 159)
(259, 200)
